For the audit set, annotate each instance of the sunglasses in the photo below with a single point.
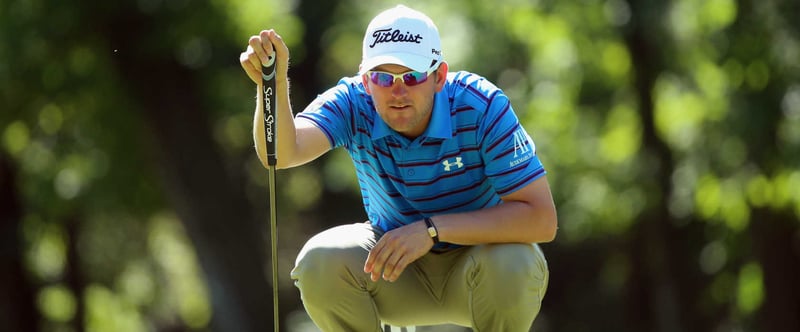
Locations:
(409, 78)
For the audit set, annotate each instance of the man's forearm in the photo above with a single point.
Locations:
(526, 216)
(513, 222)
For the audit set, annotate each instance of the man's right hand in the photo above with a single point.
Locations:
(259, 49)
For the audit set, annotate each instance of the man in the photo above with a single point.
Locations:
(455, 194)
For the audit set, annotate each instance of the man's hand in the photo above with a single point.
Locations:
(259, 48)
(396, 249)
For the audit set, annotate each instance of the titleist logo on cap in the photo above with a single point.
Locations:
(394, 35)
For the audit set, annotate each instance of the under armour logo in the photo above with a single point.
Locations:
(457, 163)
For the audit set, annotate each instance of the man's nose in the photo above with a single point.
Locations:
(399, 88)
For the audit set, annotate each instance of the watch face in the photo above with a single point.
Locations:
(432, 231)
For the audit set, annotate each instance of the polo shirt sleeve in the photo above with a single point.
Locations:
(332, 112)
(508, 151)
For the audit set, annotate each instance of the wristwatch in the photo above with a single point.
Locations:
(432, 230)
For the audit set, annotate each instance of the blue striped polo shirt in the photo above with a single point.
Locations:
(473, 152)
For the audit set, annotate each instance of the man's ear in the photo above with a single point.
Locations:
(441, 76)
(365, 81)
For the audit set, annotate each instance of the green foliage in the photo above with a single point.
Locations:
(725, 106)
(750, 293)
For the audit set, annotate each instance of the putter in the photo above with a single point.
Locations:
(269, 108)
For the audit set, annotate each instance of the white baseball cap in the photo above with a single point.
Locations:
(401, 36)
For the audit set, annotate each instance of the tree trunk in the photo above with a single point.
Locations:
(774, 232)
(777, 248)
(654, 299)
(17, 308)
(74, 276)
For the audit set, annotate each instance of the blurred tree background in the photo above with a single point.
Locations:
(131, 198)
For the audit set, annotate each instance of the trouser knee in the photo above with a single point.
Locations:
(332, 260)
(333, 286)
(323, 264)
(513, 274)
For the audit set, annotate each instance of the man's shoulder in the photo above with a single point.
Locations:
(465, 78)
(347, 89)
(351, 83)
(468, 88)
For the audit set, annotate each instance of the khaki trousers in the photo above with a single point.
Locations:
(491, 288)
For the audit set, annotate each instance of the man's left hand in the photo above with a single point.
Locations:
(396, 249)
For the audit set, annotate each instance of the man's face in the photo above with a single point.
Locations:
(406, 109)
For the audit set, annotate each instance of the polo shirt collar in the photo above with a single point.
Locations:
(441, 123)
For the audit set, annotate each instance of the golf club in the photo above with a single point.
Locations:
(269, 109)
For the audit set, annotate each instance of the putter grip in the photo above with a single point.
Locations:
(270, 108)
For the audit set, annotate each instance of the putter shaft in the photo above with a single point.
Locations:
(273, 231)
